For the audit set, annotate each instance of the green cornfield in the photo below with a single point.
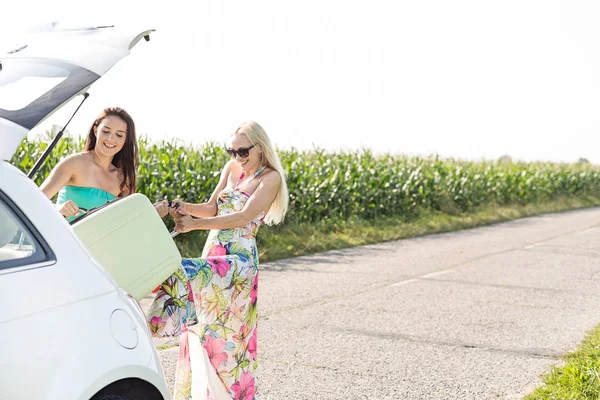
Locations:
(328, 185)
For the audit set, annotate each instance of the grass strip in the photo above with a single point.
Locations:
(578, 377)
(296, 239)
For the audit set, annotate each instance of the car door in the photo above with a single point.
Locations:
(22, 249)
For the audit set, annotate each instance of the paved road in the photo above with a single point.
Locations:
(476, 314)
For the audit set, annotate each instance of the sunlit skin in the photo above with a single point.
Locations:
(263, 190)
(93, 168)
(111, 134)
(250, 164)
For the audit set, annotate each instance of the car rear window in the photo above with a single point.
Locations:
(19, 245)
(32, 88)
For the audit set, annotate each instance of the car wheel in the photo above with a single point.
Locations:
(129, 389)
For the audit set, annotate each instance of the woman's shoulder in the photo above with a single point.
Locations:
(268, 171)
(231, 164)
(231, 167)
(271, 176)
(79, 157)
(74, 160)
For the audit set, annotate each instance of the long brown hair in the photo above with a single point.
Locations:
(127, 159)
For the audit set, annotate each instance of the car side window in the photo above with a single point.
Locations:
(18, 246)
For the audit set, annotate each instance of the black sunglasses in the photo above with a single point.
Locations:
(242, 151)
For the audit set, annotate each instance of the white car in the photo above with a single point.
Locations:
(67, 331)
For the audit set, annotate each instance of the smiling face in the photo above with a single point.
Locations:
(111, 135)
(239, 142)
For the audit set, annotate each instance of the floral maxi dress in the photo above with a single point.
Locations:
(211, 303)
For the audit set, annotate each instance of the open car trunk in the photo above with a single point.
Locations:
(40, 75)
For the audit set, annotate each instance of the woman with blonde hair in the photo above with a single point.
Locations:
(212, 301)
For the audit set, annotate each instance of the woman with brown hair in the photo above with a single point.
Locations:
(104, 170)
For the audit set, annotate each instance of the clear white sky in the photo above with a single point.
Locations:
(470, 79)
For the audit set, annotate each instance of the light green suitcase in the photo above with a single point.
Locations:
(129, 239)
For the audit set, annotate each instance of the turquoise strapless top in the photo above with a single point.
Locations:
(84, 197)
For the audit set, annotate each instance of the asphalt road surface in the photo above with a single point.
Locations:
(475, 314)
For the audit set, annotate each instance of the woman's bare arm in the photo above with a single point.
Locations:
(60, 176)
(259, 201)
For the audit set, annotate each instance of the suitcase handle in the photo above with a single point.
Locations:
(84, 210)
(87, 212)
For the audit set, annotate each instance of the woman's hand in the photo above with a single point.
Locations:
(177, 207)
(68, 209)
(184, 223)
(161, 208)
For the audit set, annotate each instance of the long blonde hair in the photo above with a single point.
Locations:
(258, 137)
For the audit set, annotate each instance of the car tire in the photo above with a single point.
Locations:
(110, 397)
